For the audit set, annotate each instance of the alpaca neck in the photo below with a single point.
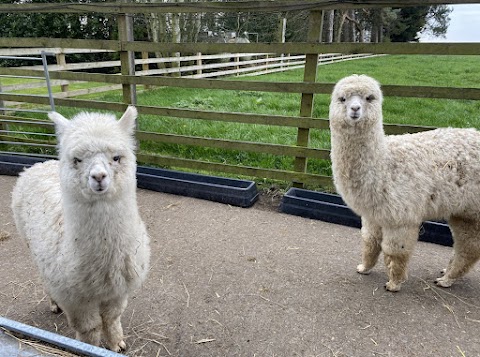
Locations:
(91, 224)
(359, 152)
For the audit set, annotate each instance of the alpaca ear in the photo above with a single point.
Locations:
(127, 121)
(60, 122)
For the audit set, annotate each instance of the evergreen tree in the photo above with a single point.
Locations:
(411, 21)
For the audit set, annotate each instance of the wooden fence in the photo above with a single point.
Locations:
(303, 123)
(195, 66)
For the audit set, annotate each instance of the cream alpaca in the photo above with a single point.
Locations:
(80, 219)
(396, 182)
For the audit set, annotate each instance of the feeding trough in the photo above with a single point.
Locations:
(235, 192)
(331, 208)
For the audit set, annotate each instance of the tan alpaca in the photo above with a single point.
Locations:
(396, 182)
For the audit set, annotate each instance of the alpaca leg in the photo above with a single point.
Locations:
(112, 326)
(466, 251)
(87, 324)
(372, 239)
(397, 246)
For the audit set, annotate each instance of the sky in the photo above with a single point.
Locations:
(464, 25)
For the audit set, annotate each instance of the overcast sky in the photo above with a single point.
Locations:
(464, 25)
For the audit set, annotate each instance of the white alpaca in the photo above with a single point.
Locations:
(396, 182)
(80, 219)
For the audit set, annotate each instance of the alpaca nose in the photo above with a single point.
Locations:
(98, 173)
(99, 177)
(355, 108)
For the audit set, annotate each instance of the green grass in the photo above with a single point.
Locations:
(448, 71)
(7, 81)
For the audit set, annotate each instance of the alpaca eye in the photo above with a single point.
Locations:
(370, 98)
(76, 160)
(342, 99)
(117, 158)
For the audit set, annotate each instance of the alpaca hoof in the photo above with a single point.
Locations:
(392, 287)
(443, 282)
(118, 347)
(54, 307)
(362, 270)
(122, 346)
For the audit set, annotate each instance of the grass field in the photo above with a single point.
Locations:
(448, 71)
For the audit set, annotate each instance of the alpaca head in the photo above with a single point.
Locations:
(96, 153)
(356, 102)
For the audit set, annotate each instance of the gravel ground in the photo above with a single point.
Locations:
(229, 281)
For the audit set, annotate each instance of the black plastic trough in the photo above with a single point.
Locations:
(241, 193)
(234, 192)
(68, 344)
(331, 208)
(12, 165)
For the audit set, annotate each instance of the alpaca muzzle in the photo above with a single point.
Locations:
(354, 108)
(99, 179)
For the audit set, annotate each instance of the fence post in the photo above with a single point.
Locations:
(282, 28)
(127, 58)
(145, 67)
(2, 112)
(62, 61)
(306, 106)
(199, 63)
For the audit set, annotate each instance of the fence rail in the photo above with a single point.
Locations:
(18, 131)
(207, 6)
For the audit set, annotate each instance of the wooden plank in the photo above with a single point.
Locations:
(312, 48)
(38, 51)
(277, 120)
(106, 64)
(432, 92)
(26, 136)
(274, 149)
(288, 87)
(28, 123)
(77, 92)
(246, 118)
(213, 6)
(222, 84)
(42, 42)
(325, 181)
(12, 140)
(31, 85)
(274, 70)
(18, 118)
(273, 47)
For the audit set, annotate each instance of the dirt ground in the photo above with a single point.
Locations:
(229, 281)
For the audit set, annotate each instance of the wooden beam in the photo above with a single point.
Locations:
(273, 47)
(274, 149)
(223, 84)
(319, 180)
(211, 6)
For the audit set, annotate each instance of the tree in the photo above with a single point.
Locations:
(373, 25)
(438, 20)
(412, 21)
